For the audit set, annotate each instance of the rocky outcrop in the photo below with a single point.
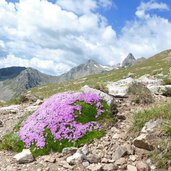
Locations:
(121, 87)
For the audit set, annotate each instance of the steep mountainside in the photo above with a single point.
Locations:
(89, 68)
(15, 80)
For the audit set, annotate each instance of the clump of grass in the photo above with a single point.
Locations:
(140, 94)
(166, 81)
(12, 142)
(167, 128)
(101, 86)
(21, 120)
(161, 156)
(158, 112)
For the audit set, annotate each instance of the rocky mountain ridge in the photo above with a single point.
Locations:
(15, 80)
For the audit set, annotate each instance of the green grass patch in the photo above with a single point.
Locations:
(160, 156)
(158, 112)
(140, 94)
(166, 81)
(12, 142)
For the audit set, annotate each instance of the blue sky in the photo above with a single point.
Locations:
(54, 36)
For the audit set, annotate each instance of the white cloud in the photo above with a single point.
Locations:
(83, 6)
(56, 37)
(151, 5)
(48, 66)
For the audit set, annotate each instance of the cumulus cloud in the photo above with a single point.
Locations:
(56, 37)
(151, 5)
(83, 6)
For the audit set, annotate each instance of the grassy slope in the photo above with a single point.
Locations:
(154, 65)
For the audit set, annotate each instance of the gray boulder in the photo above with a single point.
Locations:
(103, 95)
(24, 157)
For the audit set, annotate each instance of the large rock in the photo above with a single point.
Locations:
(149, 80)
(155, 85)
(24, 157)
(160, 89)
(148, 135)
(150, 126)
(121, 87)
(142, 142)
(103, 95)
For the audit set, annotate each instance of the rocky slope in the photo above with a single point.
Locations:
(89, 68)
(15, 80)
(118, 150)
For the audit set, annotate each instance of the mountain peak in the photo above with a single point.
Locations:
(91, 61)
(129, 60)
(130, 56)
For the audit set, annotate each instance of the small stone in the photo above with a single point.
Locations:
(169, 169)
(116, 136)
(108, 167)
(38, 102)
(92, 158)
(39, 169)
(105, 160)
(141, 166)
(69, 150)
(24, 157)
(133, 157)
(131, 168)
(75, 158)
(49, 159)
(85, 149)
(153, 167)
(1, 124)
(95, 167)
(120, 161)
(120, 152)
(85, 163)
